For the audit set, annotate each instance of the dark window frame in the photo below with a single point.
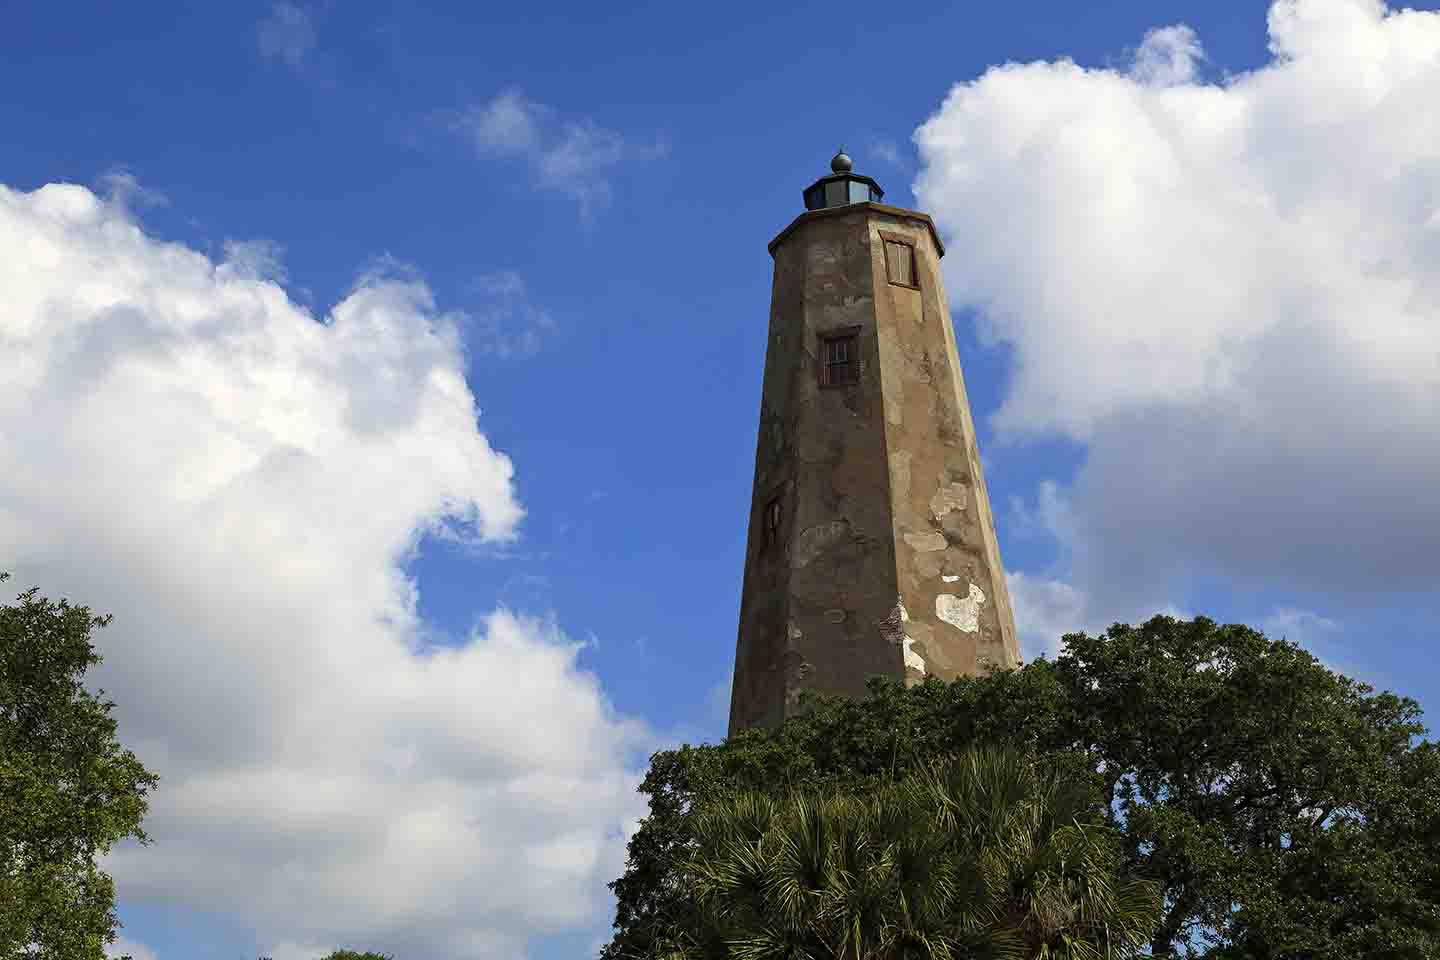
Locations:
(770, 519)
(849, 340)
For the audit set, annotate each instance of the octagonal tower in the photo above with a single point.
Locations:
(872, 547)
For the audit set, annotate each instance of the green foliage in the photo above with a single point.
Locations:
(987, 855)
(68, 792)
(1285, 811)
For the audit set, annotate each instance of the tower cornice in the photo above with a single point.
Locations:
(870, 206)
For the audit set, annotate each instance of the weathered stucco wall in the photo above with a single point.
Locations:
(956, 605)
(885, 560)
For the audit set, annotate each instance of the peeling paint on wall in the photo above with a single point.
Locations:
(913, 660)
(963, 613)
(892, 628)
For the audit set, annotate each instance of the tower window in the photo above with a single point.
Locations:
(839, 361)
(900, 263)
(772, 522)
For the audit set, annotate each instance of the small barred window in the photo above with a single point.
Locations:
(839, 361)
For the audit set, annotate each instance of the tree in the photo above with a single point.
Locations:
(68, 792)
(988, 855)
(1286, 811)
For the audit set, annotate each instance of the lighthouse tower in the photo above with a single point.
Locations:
(872, 546)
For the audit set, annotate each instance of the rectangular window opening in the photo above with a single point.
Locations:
(839, 361)
(771, 520)
(900, 263)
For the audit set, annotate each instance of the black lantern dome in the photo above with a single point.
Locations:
(841, 187)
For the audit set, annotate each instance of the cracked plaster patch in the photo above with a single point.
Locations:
(925, 542)
(963, 613)
(951, 496)
(956, 524)
(928, 565)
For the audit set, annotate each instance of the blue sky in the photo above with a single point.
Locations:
(1193, 253)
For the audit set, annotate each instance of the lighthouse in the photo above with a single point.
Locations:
(871, 548)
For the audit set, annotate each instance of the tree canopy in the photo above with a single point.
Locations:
(992, 854)
(1285, 811)
(68, 791)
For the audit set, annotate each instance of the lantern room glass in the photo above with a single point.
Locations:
(841, 189)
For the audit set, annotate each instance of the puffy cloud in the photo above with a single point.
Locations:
(1045, 610)
(1167, 56)
(240, 484)
(1226, 291)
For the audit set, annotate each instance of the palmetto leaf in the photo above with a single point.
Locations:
(984, 856)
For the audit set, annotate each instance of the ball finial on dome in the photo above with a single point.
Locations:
(840, 163)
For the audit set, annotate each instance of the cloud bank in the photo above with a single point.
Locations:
(1226, 290)
(240, 484)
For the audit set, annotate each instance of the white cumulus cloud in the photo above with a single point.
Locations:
(1228, 292)
(1168, 56)
(240, 484)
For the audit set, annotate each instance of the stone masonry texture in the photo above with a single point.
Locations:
(884, 560)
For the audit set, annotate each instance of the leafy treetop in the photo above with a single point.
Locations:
(68, 791)
(1286, 811)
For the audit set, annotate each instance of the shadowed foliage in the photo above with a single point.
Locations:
(1286, 812)
(987, 855)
